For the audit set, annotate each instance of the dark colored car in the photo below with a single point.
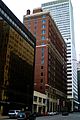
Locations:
(26, 116)
(21, 116)
(65, 113)
(32, 116)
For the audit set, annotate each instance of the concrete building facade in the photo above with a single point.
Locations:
(62, 13)
(78, 78)
(50, 60)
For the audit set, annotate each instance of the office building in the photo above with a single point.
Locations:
(62, 13)
(50, 61)
(78, 78)
(17, 51)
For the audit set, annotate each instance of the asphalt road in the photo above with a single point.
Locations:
(72, 116)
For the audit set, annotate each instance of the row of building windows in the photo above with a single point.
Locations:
(14, 24)
(42, 55)
(39, 99)
(61, 18)
(55, 2)
(43, 32)
(35, 18)
(35, 28)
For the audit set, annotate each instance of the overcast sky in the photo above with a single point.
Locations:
(19, 7)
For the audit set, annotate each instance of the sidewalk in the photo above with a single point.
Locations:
(3, 117)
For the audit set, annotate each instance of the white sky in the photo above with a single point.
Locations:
(19, 7)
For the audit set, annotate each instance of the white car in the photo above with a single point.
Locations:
(13, 113)
(50, 113)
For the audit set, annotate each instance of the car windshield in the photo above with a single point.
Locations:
(11, 111)
(17, 110)
(21, 113)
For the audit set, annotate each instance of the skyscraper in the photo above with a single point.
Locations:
(78, 78)
(62, 13)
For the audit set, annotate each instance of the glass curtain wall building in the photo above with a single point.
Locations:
(17, 54)
(62, 13)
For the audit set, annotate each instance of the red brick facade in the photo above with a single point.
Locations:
(50, 59)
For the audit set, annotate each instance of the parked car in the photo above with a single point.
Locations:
(55, 113)
(50, 113)
(32, 116)
(26, 115)
(45, 113)
(38, 114)
(21, 115)
(13, 113)
(65, 113)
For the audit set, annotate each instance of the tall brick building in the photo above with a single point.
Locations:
(50, 60)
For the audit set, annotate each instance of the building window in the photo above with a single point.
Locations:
(29, 23)
(41, 80)
(35, 27)
(43, 26)
(28, 18)
(69, 93)
(43, 21)
(35, 21)
(40, 99)
(35, 98)
(43, 38)
(68, 67)
(42, 56)
(42, 60)
(41, 67)
(44, 100)
(43, 16)
(68, 56)
(35, 34)
(68, 63)
(43, 31)
(42, 51)
(29, 27)
(41, 73)
(69, 70)
(68, 43)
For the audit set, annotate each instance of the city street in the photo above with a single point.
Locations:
(72, 116)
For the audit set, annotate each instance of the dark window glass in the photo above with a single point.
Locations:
(41, 80)
(41, 73)
(41, 67)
